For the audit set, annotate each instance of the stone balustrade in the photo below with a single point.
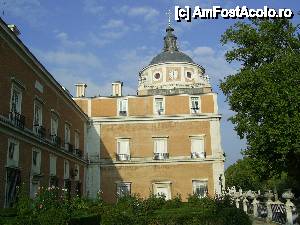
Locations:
(266, 206)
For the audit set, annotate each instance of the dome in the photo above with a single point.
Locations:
(170, 51)
(168, 56)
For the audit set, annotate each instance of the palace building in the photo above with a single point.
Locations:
(163, 141)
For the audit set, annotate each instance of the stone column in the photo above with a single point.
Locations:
(288, 195)
(255, 206)
(269, 202)
(245, 207)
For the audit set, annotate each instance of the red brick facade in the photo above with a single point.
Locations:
(19, 68)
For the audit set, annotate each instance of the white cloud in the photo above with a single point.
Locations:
(72, 59)
(113, 23)
(110, 31)
(204, 51)
(213, 61)
(147, 12)
(92, 6)
(66, 42)
(30, 11)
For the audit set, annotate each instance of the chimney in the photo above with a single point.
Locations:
(80, 90)
(14, 29)
(117, 88)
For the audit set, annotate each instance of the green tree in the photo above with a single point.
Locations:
(265, 93)
(242, 174)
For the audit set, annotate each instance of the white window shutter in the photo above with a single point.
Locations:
(198, 145)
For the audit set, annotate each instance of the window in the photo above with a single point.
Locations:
(13, 153)
(77, 172)
(34, 187)
(38, 119)
(197, 147)
(67, 136)
(123, 189)
(54, 124)
(200, 188)
(15, 107)
(36, 161)
(195, 105)
(123, 107)
(160, 148)
(52, 165)
(159, 106)
(76, 141)
(16, 100)
(162, 189)
(123, 151)
(66, 169)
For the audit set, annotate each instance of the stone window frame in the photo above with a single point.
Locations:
(155, 111)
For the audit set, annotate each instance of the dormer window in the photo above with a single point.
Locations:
(123, 107)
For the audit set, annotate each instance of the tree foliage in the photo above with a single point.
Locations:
(265, 93)
(243, 175)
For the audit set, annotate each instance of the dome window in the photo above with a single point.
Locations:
(157, 76)
(188, 75)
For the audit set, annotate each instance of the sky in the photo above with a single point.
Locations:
(99, 41)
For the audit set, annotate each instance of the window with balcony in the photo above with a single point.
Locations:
(160, 149)
(15, 107)
(197, 147)
(123, 151)
(68, 146)
(200, 188)
(66, 170)
(36, 162)
(38, 128)
(52, 165)
(159, 106)
(195, 105)
(34, 187)
(76, 172)
(123, 189)
(123, 107)
(13, 153)
(55, 139)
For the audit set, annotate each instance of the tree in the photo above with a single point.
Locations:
(242, 175)
(265, 93)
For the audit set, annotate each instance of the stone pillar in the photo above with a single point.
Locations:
(255, 206)
(269, 202)
(237, 203)
(245, 207)
(288, 195)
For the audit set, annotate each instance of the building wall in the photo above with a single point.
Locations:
(143, 176)
(19, 67)
(141, 137)
(144, 105)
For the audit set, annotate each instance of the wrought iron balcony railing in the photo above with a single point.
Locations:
(69, 148)
(123, 157)
(78, 152)
(195, 109)
(55, 140)
(123, 113)
(160, 156)
(40, 131)
(17, 119)
(198, 155)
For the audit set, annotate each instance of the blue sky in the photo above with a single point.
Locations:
(99, 41)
